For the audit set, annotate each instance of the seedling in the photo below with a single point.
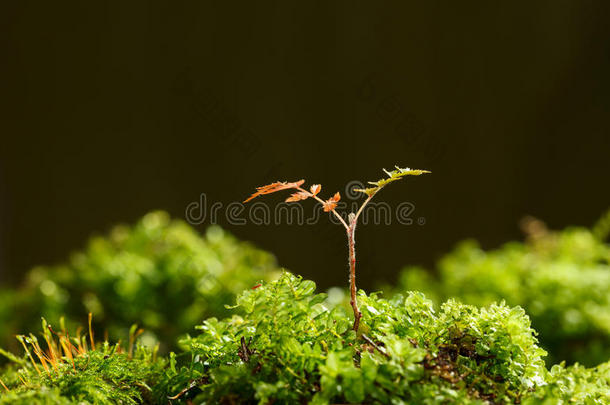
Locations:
(330, 205)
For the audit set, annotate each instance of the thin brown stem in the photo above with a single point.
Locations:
(362, 206)
(351, 232)
(375, 345)
(351, 241)
(351, 237)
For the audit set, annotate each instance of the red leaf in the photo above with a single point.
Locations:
(273, 187)
(301, 195)
(331, 203)
(315, 189)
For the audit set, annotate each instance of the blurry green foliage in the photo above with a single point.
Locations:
(562, 279)
(159, 273)
(289, 347)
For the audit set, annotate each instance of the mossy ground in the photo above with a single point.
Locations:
(158, 273)
(283, 343)
(66, 371)
(562, 280)
(289, 346)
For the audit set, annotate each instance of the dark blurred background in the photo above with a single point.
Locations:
(111, 109)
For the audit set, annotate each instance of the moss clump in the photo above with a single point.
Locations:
(66, 371)
(574, 385)
(282, 343)
(562, 279)
(159, 273)
(290, 348)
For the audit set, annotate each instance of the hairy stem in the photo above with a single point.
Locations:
(351, 242)
(363, 205)
(351, 238)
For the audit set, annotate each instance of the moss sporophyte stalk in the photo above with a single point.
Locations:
(330, 205)
(69, 369)
(158, 272)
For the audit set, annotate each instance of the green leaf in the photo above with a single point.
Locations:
(393, 175)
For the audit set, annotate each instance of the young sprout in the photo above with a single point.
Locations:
(330, 204)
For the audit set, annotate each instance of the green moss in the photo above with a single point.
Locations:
(574, 385)
(283, 344)
(562, 279)
(290, 348)
(286, 344)
(159, 273)
(106, 375)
